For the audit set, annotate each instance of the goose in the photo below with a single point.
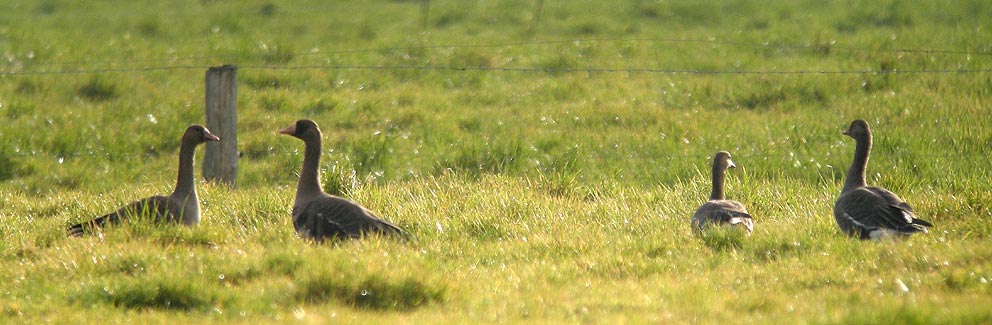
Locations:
(317, 215)
(869, 212)
(182, 206)
(718, 210)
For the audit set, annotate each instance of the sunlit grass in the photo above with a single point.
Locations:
(548, 194)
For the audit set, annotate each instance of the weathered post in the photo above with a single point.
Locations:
(220, 161)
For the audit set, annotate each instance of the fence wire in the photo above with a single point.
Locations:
(122, 67)
(594, 70)
(129, 65)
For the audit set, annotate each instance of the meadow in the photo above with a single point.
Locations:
(546, 155)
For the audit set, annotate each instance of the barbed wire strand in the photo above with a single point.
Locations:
(790, 156)
(814, 47)
(591, 70)
(766, 45)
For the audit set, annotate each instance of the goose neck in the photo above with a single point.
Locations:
(719, 175)
(185, 183)
(309, 183)
(856, 174)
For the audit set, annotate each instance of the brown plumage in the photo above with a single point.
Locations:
(181, 206)
(868, 212)
(318, 215)
(718, 210)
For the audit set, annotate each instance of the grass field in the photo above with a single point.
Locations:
(547, 155)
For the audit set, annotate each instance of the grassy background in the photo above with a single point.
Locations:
(539, 189)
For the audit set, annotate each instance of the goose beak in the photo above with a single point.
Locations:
(289, 130)
(846, 132)
(730, 164)
(211, 137)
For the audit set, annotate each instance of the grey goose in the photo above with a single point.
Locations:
(868, 212)
(718, 210)
(182, 206)
(320, 216)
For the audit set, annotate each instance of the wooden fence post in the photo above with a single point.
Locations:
(220, 161)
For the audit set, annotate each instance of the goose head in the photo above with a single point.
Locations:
(858, 129)
(303, 130)
(199, 134)
(722, 161)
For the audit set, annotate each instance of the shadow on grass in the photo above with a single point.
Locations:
(173, 294)
(758, 248)
(371, 292)
(766, 249)
(899, 315)
(98, 89)
(177, 235)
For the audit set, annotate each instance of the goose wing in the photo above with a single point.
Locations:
(155, 207)
(869, 209)
(726, 212)
(908, 222)
(334, 217)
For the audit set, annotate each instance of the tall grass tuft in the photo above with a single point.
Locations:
(558, 65)
(560, 174)
(338, 180)
(884, 78)
(276, 53)
(724, 239)
(371, 155)
(283, 263)
(11, 168)
(263, 81)
(274, 102)
(131, 265)
(486, 229)
(487, 158)
(320, 106)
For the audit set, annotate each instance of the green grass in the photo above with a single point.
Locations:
(548, 194)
